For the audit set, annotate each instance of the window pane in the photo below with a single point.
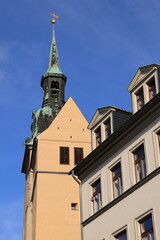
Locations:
(117, 180)
(145, 238)
(98, 136)
(152, 92)
(138, 171)
(140, 99)
(64, 155)
(140, 163)
(144, 167)
(96, 196)
(146, 224)
(107, 128)
(96, 186)
(96, 203)
(121, 236)
(116, 188)
(78, 155)
(139, 152)
(152, 236)
(147, 228)
(152, 89)
(117, 171)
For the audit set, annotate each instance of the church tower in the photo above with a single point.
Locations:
(60, 139)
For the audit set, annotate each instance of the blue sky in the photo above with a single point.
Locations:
(101, 44)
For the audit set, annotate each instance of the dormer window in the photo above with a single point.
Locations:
(144, 86)
(151, 88)
(140, 99)
(107, 128)
(98, 136)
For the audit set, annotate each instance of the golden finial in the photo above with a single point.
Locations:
(55, 16)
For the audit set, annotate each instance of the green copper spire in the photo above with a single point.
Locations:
(53, 66)
(53, 83)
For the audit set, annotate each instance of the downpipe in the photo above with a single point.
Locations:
(80, 194)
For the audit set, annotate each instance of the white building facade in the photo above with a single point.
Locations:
(120, 193)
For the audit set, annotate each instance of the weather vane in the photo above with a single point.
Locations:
(55, 16)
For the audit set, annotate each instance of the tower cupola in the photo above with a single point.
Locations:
(53, 84)
(53, 81)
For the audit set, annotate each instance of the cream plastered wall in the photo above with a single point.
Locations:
(55, 192)
(69, 129)
(124, 155)
(54, 217)
(126, 213)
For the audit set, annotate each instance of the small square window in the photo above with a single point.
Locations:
(74, 206)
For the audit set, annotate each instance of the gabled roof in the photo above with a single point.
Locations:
(141, 74)
(70, 121)
(61, 127)
(101, 113)
(119, 138)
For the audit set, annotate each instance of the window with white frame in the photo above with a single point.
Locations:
(146, 228)
(96, 198)
(117, 180)
(139, 163)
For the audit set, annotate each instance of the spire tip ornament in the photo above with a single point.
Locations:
(55, 16)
